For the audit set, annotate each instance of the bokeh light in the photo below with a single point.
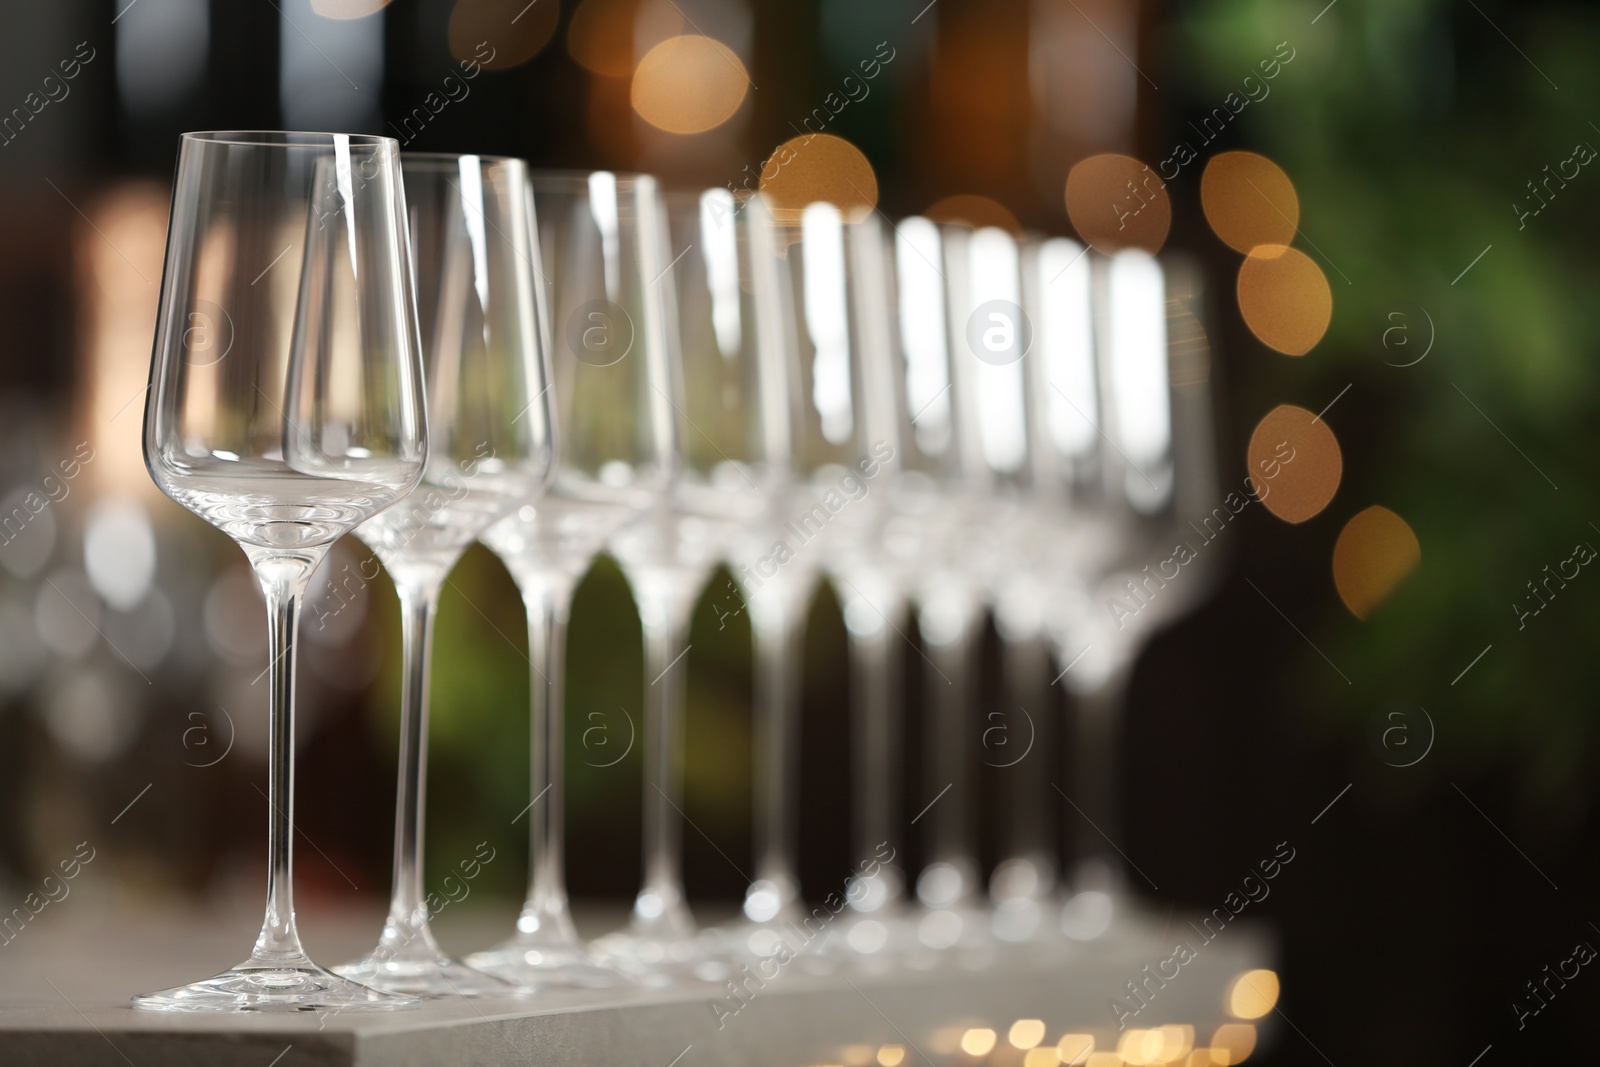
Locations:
(1253, 994)
(891, 1055)
(1294, 463)
(1026, 1033)
(978, 1041)
(1285, 298)
(1233, 1043)
(1375, 552)
(1140, 1047)
(975, 211)
(1043, 1056)
(600, 36)
(689, 84)
(1249, 200)
(1117, 202)
(1176, 1041)
(1075, 1049)
(514, 31)
(816, 167)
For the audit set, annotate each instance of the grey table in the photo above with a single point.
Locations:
(64, 988)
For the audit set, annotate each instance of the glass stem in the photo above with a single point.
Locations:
(1026, 662)
(283, 578)
(776, 638)
(406, 933)
(875, 743)
(546, 914)
(949, 747)
(659, 910)
(1095, 753)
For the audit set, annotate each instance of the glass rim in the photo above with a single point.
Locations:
(287, 138)
(451, 157)
(578, 176)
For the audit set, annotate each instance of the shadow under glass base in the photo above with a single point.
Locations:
(532, 965)
(294, 984)
(423, 975)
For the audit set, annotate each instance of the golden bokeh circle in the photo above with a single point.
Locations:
(976, 211)
(816, 167)
(1284, 298)
(1295, 463)
(689, 84)
(1375, 552)
(600, 36)
(1253, 994)
(1249, 200)
(1117, 202)
(513, 30)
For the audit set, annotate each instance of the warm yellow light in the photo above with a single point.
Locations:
(804, 170)
(501, 34)
(856, 1055)
(1075, 1048)
(1295, 464)
(1249, 200)
(689, 84)
(1375, 552)
(891, 1055)
(1176, 1041)
(1117, 202)
(974, 211)
(1284, 298)
(1232, 1043)
(1043, 1056)
(600, 37)
(1026, 1033)
(1140, 1047)
(1103, 1059)
(979, 1041)
(1254, 993)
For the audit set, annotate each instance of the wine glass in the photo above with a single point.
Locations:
(1157, 473)
(968, 467)
(732, 397)
(490, 451)
(285, 408)
(601, 311)
(827, 306)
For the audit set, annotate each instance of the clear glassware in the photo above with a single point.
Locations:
(732, 397)
(285, 408)
(829, 312)
(600, 296)
(1156, 473)
(963, 336)
(490, 451)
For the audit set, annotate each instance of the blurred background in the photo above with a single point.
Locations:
(1418, 679)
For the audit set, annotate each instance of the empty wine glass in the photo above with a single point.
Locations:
(600, 246)
(822, 301)
(731, 395)
(490, 451)
(285, 407)
(1140, 562)
(970, 472)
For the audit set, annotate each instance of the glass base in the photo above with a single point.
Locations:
(279, 986)
(531, 967)
(655, 960)
(423, 976)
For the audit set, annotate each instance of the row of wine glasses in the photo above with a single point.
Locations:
(941, 421)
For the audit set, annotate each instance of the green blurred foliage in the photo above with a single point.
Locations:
(1410, 129)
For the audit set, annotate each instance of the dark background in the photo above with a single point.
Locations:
(1418, 905)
